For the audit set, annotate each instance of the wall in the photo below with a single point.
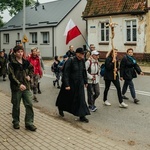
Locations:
(119, 39)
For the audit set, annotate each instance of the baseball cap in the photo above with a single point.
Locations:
(95, 52)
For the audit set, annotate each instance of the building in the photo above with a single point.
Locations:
(45, 26)
(132, 25)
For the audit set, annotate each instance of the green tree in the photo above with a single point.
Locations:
(13, 7)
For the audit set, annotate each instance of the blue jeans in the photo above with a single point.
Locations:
(26, 96)
(131, 87)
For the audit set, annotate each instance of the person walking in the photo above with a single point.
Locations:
(71, 97)
(129, 70)
(70, 52)
(93, 70)
(20, 72)
(3, 65)
(42, 68)
(56, 71)
(34, 59)
(111, 58)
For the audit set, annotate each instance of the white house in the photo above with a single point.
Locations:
(132, 29)
(45, 26)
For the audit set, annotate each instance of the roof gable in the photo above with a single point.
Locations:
(47, 14)
(107, 7)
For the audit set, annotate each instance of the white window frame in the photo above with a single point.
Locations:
(5, 38)
(45, 37)
(33, 36)
(130, 28)
(104, 30)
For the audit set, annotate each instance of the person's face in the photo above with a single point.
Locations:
(92, 48)
(115, 53)
(34, 52)
(95, 57)
(38, 53)
(71, 48)
(19, 54)
(130, 53)
(80, 56)
(2, 54)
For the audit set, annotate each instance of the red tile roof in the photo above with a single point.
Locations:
(107, 7)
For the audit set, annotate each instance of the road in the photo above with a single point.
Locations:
(129, 126)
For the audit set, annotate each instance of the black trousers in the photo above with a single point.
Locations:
(117, 85)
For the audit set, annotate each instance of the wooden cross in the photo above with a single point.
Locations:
(112, 25)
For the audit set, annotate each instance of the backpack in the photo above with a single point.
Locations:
(102, 71)
(89, 69)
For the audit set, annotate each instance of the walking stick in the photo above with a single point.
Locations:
(112, 25)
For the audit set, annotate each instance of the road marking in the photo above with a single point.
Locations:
(111, 87)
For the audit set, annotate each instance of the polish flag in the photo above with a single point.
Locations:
(71, 31)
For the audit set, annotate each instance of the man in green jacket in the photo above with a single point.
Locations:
(20, 72)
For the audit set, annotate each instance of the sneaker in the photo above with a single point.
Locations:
(58, 87)
(54, 83)
(107, 103)
(123, 105)
(124, 97)
(16, 126)
(4, 79)
(136, 100)
(93, 109)
(84, 119)
(31, 127)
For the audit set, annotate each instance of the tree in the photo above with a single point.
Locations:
(13, 6)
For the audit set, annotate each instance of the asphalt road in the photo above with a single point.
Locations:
(129, 126)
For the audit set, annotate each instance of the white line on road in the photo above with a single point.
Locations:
(112, 87)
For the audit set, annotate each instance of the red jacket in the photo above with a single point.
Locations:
(35, 61)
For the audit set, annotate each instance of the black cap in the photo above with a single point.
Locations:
(80, 50)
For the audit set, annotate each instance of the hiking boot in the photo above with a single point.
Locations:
(124, 97)
(136, 100)
(84, 119)
(107, 103)
(39, 92)
(16, 126)
(31, 127)
(123, 105)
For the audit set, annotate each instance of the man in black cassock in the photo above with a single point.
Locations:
(71, 97)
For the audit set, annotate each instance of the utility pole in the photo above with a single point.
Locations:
(24, 22)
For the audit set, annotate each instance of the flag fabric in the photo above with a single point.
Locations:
(71, 31)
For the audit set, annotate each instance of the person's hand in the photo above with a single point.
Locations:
(28, 78)
(142, 73)
(86, 85)
(121, 78)
(67, 88)
(22, 87)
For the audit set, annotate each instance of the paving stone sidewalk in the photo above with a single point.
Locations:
(52, 133)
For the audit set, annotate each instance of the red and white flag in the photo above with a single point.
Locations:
(71, 31)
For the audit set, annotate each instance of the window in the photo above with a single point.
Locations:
(104, 32)
(6, 38)
(45, 36)
(131, 31)
(33, 36)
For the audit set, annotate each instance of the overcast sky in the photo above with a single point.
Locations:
(6, 16)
